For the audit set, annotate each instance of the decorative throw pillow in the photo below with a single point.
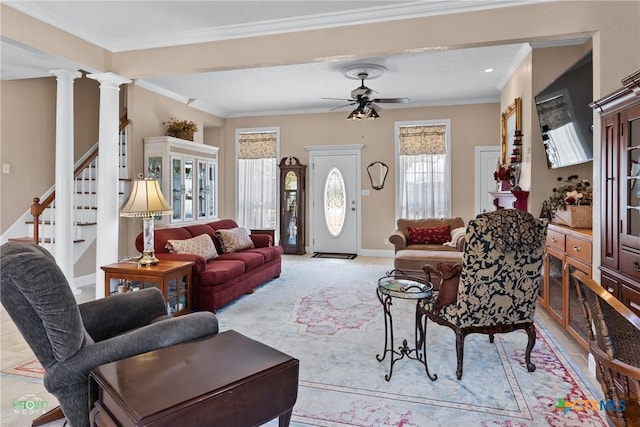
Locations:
(429, 235)
(233, 239)
(448, 293)
(456, 234)
(200, 245)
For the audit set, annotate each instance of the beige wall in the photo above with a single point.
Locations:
(613, 26)
(541, 67)
(471, 125)
(549, 64)
(27, 138)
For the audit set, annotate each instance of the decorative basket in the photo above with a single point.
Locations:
(185, 136)
(576, 216)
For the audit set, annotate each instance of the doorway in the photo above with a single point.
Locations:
(335, 198)
(486, 160)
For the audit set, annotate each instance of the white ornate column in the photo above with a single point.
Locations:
(108, 175)
(63, 214)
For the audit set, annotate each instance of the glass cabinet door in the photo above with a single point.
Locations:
(154, 169)
(202, 189)
(176, 188)
(188, 190)
(553, 272)
(211, 190)
(207, 207)
(630, 235)
(575, 316)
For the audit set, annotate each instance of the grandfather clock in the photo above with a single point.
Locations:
(292, 205)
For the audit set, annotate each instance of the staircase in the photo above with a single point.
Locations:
(39, 222)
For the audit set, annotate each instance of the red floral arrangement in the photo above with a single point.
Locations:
(503, 173)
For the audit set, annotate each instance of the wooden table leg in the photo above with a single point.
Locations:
(285, 419)
(49, 416)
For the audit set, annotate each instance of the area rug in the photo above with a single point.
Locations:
(333, 255)
(30, 368)
(327, 315)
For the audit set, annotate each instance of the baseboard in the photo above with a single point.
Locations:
(377, 253)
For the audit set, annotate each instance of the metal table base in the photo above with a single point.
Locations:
(389, 287)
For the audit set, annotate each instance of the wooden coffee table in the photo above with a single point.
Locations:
(224, 380)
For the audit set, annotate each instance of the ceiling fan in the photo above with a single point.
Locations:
(362, 96)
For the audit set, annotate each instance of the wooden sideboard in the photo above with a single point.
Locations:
(567, 249)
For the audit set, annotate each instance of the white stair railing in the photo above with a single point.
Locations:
(85, 198)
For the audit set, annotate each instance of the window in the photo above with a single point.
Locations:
(423, 169)
(257, 179)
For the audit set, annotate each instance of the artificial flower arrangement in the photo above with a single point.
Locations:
(504, 173)
(180, 128)
(572, 191)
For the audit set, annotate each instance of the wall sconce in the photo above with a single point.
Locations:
(377, 174)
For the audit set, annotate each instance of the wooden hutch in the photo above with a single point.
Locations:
(620, 198)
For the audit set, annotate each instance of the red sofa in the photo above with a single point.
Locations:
(219, 281)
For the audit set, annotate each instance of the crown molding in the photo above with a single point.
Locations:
(400, 11)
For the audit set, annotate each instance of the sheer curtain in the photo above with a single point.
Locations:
(423, 184)
(423, 193)
(257, 180)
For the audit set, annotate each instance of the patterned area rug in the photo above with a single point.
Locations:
(335, 327)
(30, 369)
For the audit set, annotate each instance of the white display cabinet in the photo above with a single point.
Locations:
(188, 175)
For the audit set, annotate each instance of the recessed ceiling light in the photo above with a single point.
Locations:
(488, 70)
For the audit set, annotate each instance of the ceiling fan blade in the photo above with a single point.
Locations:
(390, 100)
(342, 106)
(339, 99)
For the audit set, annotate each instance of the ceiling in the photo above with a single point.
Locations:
(441, 77)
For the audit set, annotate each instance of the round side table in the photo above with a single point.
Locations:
(396, 284)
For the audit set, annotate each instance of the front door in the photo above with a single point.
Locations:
(334, 201)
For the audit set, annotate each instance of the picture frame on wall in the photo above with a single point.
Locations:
(511, 121)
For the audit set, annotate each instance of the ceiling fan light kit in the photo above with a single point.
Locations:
(360, 95)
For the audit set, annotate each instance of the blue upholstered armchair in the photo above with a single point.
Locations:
(498, 282)
(70, 339)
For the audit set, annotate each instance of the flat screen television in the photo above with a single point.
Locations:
(566, 120)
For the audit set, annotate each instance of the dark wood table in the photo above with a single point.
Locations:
(226, 380)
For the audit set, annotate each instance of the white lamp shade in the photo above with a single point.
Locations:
(145, 200)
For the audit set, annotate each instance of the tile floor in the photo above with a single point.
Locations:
(14, 350)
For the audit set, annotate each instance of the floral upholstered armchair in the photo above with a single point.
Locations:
(496, 289)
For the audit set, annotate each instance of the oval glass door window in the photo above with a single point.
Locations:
(335, 206)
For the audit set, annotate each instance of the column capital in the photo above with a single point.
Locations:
(66, 74)
(109, 79)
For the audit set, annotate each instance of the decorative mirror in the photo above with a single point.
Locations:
(511, 122)
(377, 174)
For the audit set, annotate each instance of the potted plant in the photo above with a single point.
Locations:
(183, 129)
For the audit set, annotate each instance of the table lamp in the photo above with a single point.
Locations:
(146, 201)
